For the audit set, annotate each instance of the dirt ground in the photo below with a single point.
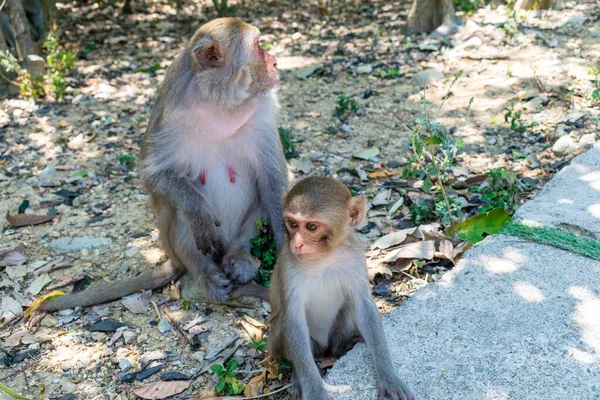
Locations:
(66, 158)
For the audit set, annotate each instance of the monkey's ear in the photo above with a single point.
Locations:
(356, 209)
(208, 53)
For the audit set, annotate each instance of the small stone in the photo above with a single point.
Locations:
(71, 244)
(76, 143)
(164, 327)
(47, 174)
(429, 75)
(560, 131)
(587, 140)
(346, 128)
(124, 364)
(132, 251)
(364, 69)
(35, 65)
(49, 321)
(564, 145)
(473, 43)
(128, 336)
(199, 356)
(575, 20)
(533, 161)
(296, 36)
(32, 181)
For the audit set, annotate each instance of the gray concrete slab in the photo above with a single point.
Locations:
(572, 196)
(514, 320)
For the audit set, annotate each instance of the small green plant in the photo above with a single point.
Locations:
(286, 140)
(501, 191)
(420, 211)
(222, 9)
(345, 106)
(152, 68)
(259, 346)
(390, 73)
(434, 152)
(469, 6)
(185, 305)
(264, 248)
(513, 118)
(28, 86)
(227, 384)
(60, 63)
(595, 71)
(127, 160)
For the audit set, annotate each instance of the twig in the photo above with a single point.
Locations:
(2, 5)
(157, 310)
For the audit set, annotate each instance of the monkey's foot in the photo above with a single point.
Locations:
(240, 266)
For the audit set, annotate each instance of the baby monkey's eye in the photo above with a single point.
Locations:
(292, 224)
(311, 226)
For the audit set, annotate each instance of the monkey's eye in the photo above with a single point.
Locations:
(311, 226)
(292, 224)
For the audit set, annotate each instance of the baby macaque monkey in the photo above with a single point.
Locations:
(212, 163)
(320, 295)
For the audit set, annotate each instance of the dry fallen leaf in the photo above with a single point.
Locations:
(253, 327)
(255, 385)
(19, 220)
(161, 389)
(271, 366)
(445, 250)
(421, 250)
(38, 302)
(327, 362)
(383, 173)
(11, 257)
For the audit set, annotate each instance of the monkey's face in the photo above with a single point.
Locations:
(307, 237)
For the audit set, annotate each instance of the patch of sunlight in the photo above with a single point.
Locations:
(497, 395)
(587, 316)
(295, 62)
(152, 255)
(337, 388)
(496, 266)
(581, 356)
(593, 179)
(528, 292)
(594, 209)
(565, 201)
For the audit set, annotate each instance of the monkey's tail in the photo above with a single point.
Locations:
(105, 292)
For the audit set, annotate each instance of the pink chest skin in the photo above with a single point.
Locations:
(230, 173)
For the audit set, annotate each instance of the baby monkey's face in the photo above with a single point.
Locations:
(307, 236)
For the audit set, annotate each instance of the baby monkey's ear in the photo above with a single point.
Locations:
(356, 210)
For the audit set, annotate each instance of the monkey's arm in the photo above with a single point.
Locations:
(299, 353)
(272, 181)
(371, 329)
(180, 193)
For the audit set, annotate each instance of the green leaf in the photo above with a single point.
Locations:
(231, 366)
(475, 228)
(186, 305)
(220, 386)
(235, 386)
(517, 154)
(217, 368)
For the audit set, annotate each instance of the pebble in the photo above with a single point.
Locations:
(71, 244)
(132, 251)
(346, 128)
(124, 364)
(364, 69)
(587, 140)
(427, 76)
(47, 173)
(164, 327)
(564, 145)
(128, 336)
(199, 356)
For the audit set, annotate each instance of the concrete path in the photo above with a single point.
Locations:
(514, 320)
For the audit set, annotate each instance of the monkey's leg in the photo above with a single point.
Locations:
(205, 281)
(238, 264)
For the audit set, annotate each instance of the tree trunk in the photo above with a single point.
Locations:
(19, 21)
(49, 17)
(428, 15)
(537, 4)
(127, 9)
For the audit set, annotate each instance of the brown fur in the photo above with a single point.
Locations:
(212, 162)
(322, 303)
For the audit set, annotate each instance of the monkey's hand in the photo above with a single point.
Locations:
(205, 228)
(218, 287)
(393, 387)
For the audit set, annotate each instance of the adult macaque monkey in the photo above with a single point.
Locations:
(320, 293)
(213, 164)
